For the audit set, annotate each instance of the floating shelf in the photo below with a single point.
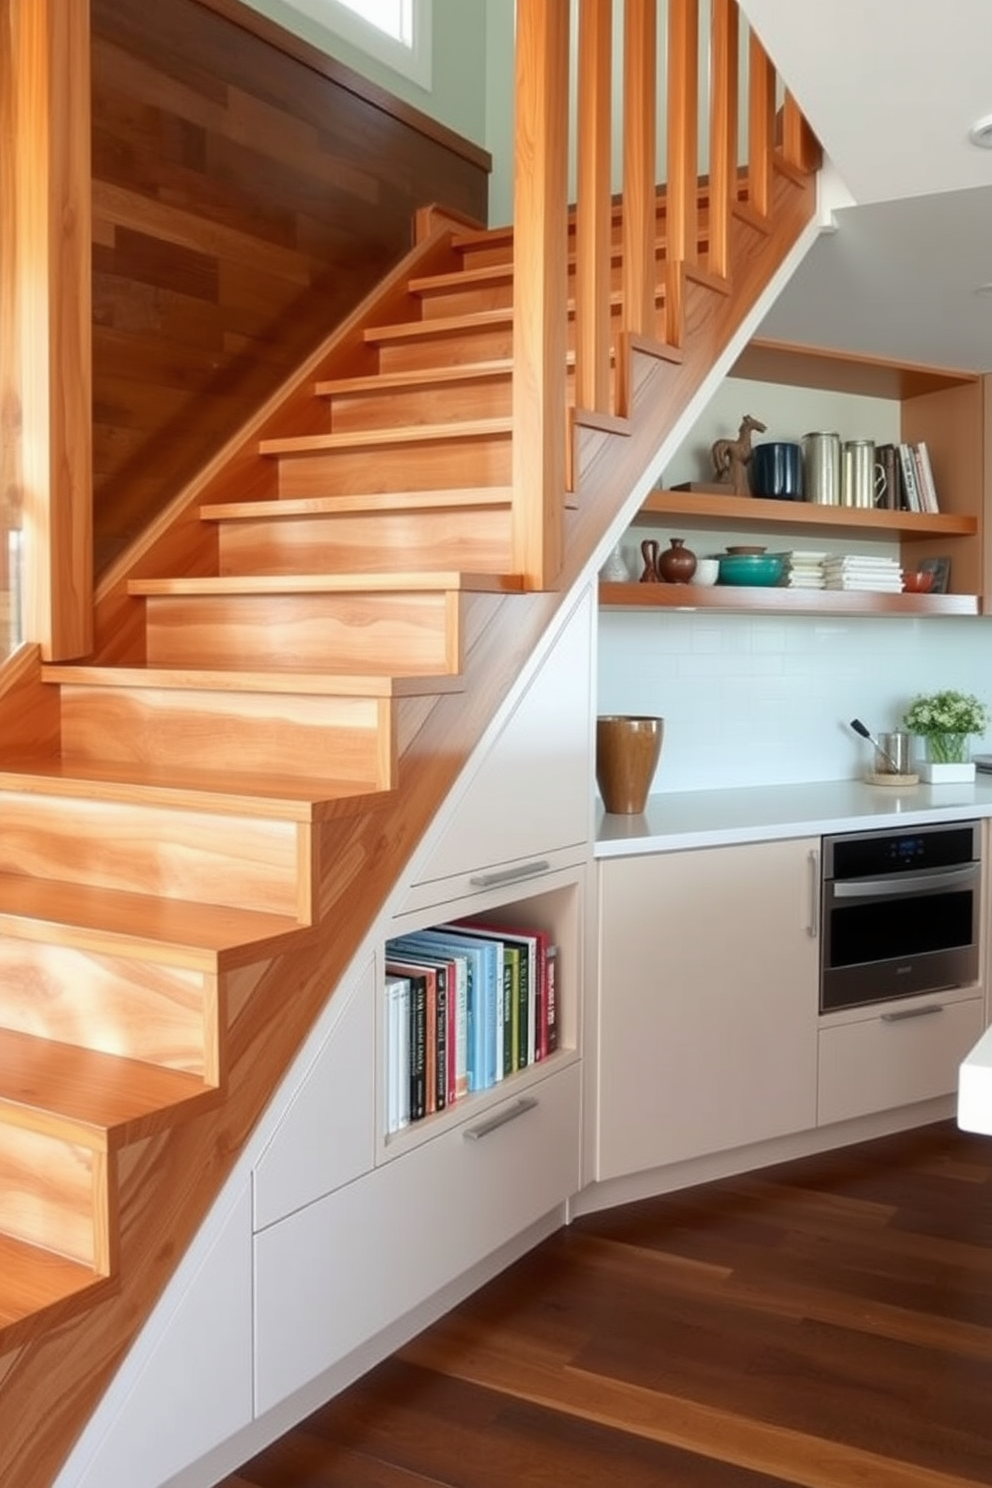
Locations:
(692, 506)
(781, 601)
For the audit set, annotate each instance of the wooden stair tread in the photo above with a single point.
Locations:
(35, 1287)
(425, 377)
(448, 498)
(344, 583)
(98, 1100)
(308, 444)
(497, 273)
(409, 330)
(275, 797)
(208, 937)
(311, 684)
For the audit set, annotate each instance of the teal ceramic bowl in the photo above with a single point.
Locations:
(758, 569)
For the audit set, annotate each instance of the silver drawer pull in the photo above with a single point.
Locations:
(483, 1128)
(917, 1012)
(509, 875)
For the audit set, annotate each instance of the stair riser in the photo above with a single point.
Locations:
(53, 1193)
(476, 540)
(118, 1005)
(471, 344)
(469, 299)
(394, 408)
(344, 738)
(408, 634)
(411, 466)
(179, 854)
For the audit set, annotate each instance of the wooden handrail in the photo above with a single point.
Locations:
(547, 314)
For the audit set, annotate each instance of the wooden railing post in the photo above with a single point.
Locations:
(724, 53)
(593, 207)
(761, 126)
(540, 255)
(45, 270)
(640, 222)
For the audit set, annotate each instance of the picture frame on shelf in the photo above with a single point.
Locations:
(941, 570)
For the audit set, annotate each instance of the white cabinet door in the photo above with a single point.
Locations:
(532, 793)
(707, 1002)
(327, 1136)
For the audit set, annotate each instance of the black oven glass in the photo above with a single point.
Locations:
(895, 928)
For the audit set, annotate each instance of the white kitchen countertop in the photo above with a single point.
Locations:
(713, 818)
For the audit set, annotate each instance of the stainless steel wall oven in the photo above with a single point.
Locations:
(900, 913)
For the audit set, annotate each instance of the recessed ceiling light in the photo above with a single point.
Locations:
(980, 133)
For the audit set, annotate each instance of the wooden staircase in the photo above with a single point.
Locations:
(200, 822)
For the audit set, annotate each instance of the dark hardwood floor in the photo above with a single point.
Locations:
(827, 1322)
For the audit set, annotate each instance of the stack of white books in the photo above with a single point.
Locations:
(863, 572)
(804, 570)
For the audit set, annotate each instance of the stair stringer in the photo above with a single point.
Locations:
(49, 1386)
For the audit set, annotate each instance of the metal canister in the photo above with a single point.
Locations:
(860, 474)
(821, 468)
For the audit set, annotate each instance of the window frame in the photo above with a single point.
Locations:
(413, 61)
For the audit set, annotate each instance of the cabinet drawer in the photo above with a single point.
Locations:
(334, 1274)
(891, 1060)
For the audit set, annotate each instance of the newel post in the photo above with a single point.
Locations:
(45, 292)
(540, 276)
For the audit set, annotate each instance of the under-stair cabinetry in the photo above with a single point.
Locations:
(943, 407)
(707, 1001)
(338, 1198)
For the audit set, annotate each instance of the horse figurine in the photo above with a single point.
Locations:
(731, 456)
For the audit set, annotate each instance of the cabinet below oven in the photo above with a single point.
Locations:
(879, 1058)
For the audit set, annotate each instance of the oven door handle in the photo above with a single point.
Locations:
(908, 883)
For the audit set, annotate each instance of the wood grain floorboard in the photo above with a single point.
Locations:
(824, 1323)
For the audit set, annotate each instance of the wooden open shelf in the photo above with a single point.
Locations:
(706, 510)
(690, 506)
(781, 601)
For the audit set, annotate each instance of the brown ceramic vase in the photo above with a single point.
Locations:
(627, 752)
(677, 564)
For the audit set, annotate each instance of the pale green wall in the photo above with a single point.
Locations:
(457, 96)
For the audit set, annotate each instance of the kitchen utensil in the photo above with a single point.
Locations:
(859, 728)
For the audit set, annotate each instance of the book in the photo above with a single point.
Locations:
(924, 470)
(908, 467)
(551, 1018)
(417, 1062)
(397, 998)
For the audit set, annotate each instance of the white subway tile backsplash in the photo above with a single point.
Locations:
(755, 699)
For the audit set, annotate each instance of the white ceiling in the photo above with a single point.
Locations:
(891, 88)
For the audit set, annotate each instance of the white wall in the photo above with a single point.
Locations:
(760, 699)
(757, 699)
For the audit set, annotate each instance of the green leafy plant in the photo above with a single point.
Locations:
(945, 719)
